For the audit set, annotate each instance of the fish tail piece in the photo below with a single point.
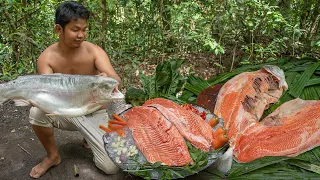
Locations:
(20, 102)
(2, 97)
(2, 100)
(224, 162)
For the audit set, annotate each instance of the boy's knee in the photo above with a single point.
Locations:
(38, 118)
(107, 167)
(103, 162)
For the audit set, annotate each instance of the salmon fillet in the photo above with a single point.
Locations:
(156, 137)
(296, 130)
(190, 125)
(290, 130)
(243, 99)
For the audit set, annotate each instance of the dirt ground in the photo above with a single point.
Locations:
(20, 151)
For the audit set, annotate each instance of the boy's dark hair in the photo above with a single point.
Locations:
(70, 10)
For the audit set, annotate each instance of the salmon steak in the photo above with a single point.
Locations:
(290, 130)
(243, 99)
(156, 137)
(190, 125)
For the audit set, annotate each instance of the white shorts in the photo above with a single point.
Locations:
(88, 126)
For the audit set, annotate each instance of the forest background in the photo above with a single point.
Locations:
(211, 35)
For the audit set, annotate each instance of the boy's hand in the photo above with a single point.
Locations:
(104, 74)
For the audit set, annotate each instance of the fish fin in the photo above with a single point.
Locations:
(278, 73)
(224, 162)
(20, 102)
(51, 114)
(92, 108)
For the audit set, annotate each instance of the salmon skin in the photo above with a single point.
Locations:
(61, 94)
(208, 97)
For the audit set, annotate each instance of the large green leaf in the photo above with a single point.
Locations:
(313, 81)
(305, 165)
(167, 78)
(312, 156)
(243, 168)
(277, 171)
(298, 87)
(309, 93)
(196, 85)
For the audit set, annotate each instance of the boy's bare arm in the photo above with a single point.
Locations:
(104, 66)
(43, 66)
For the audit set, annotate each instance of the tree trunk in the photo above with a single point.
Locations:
(165, 15)
(104, 24)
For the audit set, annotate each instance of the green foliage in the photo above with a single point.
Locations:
(135, 96)
(304, 166)
(165, 81)
(298, 87)
(133, 30)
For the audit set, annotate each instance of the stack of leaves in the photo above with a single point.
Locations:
(165, 82)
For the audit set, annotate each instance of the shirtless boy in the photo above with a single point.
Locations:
(71, 55)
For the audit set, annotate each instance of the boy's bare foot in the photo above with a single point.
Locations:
(42, 167)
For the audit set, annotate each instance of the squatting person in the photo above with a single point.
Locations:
(72, 55)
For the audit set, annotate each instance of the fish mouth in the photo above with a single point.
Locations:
(117, 95)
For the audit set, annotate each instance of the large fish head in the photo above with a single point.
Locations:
(278, 74)
(105, 89)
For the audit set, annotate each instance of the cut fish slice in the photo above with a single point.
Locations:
(295, 131)
(243, 99)
(156, 137)
(190, 125)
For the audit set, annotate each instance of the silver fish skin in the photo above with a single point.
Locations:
(61, 94)
(277, 73)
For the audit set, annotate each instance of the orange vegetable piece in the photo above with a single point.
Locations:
(115, 127)
(118, 118)
(120, 132)
(220, 130)
(219, 141)
(213, 121)
(117, 122)
(105, 128)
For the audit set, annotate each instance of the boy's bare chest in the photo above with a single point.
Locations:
(84, 64)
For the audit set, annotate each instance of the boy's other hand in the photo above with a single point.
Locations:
(104, 74)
